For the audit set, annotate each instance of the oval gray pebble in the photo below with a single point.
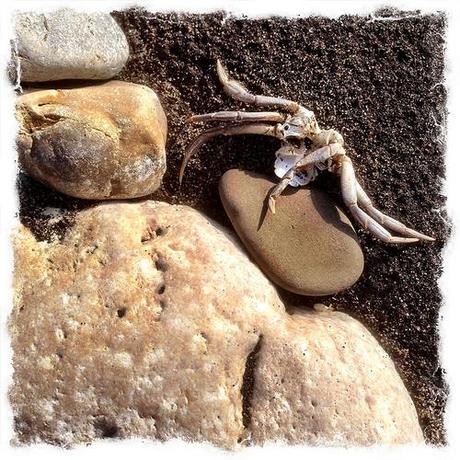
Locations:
(67, 44)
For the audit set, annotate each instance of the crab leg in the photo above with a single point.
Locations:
(236, 90)
(386, 221)
(238, 117)
(320, 155)
(350, 197)
(278, 189)
(317, 156)
(263, 129)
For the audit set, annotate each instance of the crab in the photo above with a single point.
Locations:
(306, 150)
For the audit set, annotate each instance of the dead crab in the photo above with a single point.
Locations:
(296, 164)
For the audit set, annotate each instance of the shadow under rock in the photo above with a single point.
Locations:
(48, 214)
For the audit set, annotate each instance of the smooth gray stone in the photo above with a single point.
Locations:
(66, 44)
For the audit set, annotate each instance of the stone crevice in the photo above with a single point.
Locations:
(247, 386)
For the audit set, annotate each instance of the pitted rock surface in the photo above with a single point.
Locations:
(308, 246)
(67, 44)
(104, 141)
(149, 320)
(322, 379)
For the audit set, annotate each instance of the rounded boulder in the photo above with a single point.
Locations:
(149, 320)
(308, 246)
(67, 44)
(103, 141)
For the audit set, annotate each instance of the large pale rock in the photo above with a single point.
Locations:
(308, 247)
(139, 323)
(67, 44)
(322, 379)
(149, 320)
(105, 141)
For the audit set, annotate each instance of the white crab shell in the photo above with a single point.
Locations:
(286, 158)
(285, 162)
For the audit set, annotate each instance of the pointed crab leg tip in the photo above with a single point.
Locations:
(271, 205)
(404, 240)
(181, 174)
(221, 72)
(422, 237)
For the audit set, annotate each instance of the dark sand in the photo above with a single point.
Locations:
(380, 83)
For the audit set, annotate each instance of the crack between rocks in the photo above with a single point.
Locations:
(247, 387)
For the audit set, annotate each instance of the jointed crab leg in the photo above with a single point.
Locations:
(387, 221)
(236, 90)
(320, 155)
(317, 156)
(238, 116)
(278, 189)
(263, 129)
(353, 194)
(350, 197)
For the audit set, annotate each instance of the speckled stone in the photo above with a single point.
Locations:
(308, 247)
(149, 320)
(103, 141)
(67, 44)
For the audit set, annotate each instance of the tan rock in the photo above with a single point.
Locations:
(149, 320)
(308, 247)
(136, 325)
(103, 141)
(322, 379)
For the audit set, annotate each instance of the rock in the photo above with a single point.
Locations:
(322, 379)
(149, 320)
(67, 44)
(137, 324)
(308, 247)
(104, 141)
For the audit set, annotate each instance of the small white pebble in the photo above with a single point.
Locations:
(321, 307)
(60, 334)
